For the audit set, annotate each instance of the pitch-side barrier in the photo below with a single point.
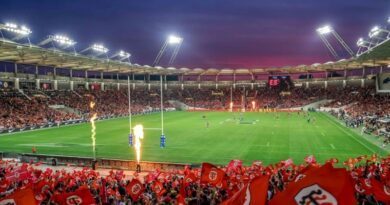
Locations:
(104, 163)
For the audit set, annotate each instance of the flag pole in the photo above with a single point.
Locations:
(130, 115)
(162, 137)
(129, 100)
(162, 105)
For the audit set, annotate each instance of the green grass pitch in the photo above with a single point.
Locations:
(260, 137)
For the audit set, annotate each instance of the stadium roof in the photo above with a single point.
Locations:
(31, 54)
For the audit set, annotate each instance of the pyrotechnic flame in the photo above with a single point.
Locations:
(138, 134)
(93, 130)
(92, 104)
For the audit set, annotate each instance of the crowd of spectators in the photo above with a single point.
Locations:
(365, 109)
(369, 179)
(18, 111)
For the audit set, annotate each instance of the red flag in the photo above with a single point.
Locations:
(81, 196)
(380, 191)
(180, 199)
(327, 185)
(211, 174)
(253, 193)
(40, 189)
(234, 166)
(20, 197)
(158, 188)
(135, 189)
(189, 178)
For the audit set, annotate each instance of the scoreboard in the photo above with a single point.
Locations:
(277, 81)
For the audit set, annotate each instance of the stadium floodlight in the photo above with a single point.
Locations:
(172, 39)
(374, 32)
(99, 48)
(61, 40)
(19, 30)
(124, 54)
(324, 30)
(121, 55)
(388, 20)
(361, 42)
(64, 40)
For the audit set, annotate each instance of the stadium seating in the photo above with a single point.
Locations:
(359, 105)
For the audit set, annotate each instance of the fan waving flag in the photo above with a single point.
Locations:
(20, 197)
(211, 174)
(158, 188)
(81, 196)
(135, 189)
(234, 165)
(189, 178)
(253, 193)
(380, 191)
(327, 185)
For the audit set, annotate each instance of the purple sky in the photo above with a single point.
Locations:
(217, 33)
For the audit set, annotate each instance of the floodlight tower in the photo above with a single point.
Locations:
(60, 41)
(171, 40)
(121, 56)
(323, 31)
(363, 45)
(18, 32)
(377, 33)
(97, 49)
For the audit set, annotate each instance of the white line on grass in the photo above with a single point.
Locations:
(349, 134)
(331, 145)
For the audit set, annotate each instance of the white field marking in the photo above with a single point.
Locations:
(349, 134)
(55, 126)
(269, 145)
(42, 145)
(55, 145)
(331, 145)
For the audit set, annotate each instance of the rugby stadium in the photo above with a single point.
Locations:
(87, 125)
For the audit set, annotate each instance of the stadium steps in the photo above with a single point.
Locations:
(63, 108)
(76, 93)
(316, 104)
(24, 94)
(178, 105)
